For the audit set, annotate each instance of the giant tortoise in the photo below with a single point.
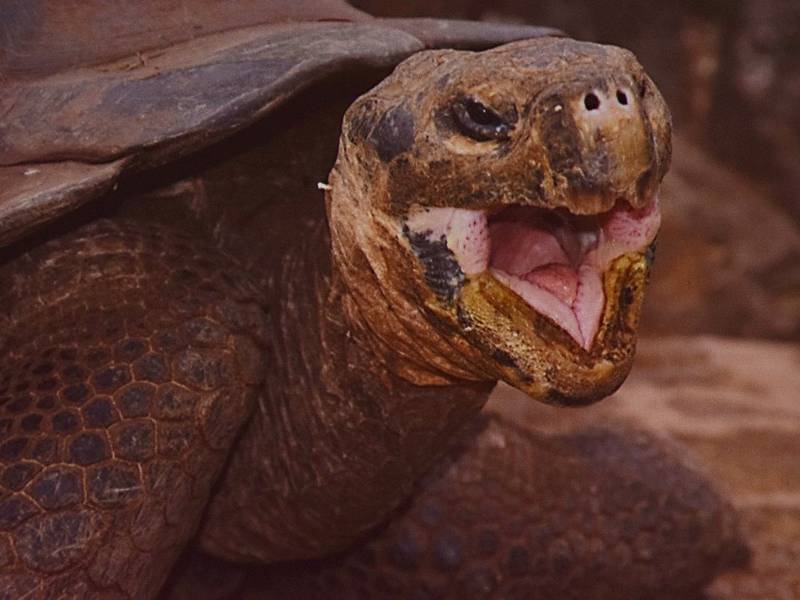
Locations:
(218, 329)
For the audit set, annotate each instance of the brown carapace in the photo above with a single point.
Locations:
(199, 349)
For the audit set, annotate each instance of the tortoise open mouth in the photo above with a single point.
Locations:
(553, 260)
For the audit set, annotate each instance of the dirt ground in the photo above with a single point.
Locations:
(734, 405)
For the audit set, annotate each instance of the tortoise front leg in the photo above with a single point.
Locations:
(130, 358)
(600, 513)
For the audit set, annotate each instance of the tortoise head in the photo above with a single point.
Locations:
(505, 206)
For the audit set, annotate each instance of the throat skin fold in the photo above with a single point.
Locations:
(347, 422)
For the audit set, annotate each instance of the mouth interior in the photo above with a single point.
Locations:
(553, 259)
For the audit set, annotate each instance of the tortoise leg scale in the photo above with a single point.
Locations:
(129, 358)
(600, 513)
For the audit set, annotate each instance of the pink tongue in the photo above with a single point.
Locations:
(559, 280)
(534, 263)
(524, 248)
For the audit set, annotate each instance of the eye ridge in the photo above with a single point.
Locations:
(480, 122)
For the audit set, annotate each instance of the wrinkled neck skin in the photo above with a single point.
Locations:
(393, 320)
(352, 413)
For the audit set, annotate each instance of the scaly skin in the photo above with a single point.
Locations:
(335, 429)
(607, 514)
(601, 514)
(130, 356)
(367, 381)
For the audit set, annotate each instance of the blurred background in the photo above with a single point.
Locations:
(718, 368)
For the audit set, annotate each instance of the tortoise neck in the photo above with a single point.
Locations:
(374, 376)
(337, 432)
(379, 284)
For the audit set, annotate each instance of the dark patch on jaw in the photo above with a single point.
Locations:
(394, 133)
(464, 320)
(504, 358)
(625, 297)
(442, 271)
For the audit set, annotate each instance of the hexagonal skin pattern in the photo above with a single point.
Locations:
(130, 355)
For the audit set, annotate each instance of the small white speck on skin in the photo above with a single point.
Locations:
(558, 108)
(324, 186)
(29, 172)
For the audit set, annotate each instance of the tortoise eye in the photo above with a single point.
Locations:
(480, 122)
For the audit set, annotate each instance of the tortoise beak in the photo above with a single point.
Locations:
(599, 139)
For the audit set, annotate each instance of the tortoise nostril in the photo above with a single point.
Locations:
(622, 98)
(591, 101)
